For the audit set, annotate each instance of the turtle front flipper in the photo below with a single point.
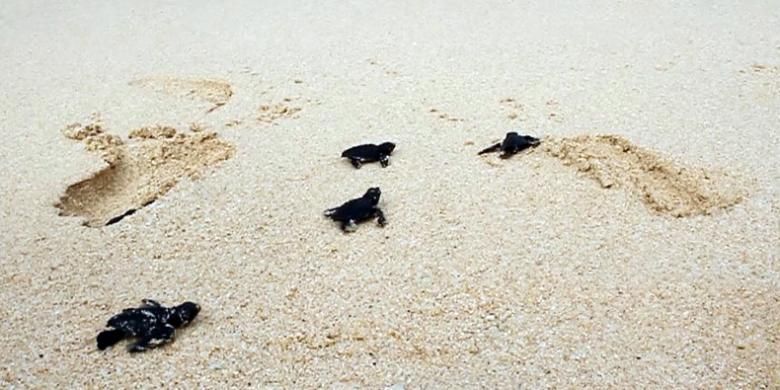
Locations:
(380, 217)
(156, 337)
(491, 149)
(120, 217)
(384, 160)
(149, 303)
(109, 337)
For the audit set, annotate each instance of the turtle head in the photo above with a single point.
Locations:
(511, 134)
(373, 194)
(184, 313)
(387, 147)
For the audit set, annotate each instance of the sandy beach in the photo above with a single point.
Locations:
(186, 151)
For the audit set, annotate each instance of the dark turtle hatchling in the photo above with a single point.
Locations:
(151, 323)
(512, 144)
(358, 210)
(367, 153)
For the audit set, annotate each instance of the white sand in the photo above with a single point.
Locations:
(491, 273)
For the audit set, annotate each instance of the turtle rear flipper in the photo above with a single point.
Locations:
(109, 337)
(348, 226)
(156, 337)
(331, 212)
(491, 149)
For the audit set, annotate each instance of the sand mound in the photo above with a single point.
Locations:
(664, 186)
(216, 92)
(139, 171)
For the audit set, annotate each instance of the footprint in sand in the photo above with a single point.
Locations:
(517, 111)
(514, 109)
(553, 111)
(276, 109)
(764, 81)
(212, 91)
(664, 186)
(445, 116)
(138, 171)
(273, 112)
(387, 70)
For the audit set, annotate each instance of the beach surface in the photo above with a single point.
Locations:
(187, 151)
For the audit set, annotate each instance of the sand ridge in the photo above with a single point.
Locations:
(665, 186)
(138, 171)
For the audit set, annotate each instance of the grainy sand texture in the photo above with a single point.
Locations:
(187, 150)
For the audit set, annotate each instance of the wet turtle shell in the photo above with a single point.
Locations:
(151, 323)
(367, 153)
(512, 144)
(358, 210)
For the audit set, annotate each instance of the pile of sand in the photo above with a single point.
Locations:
(664, 186)
(139, 171)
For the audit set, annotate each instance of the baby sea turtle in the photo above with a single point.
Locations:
(367, 153)
(358, 210)
(151, 323)
(512, 144)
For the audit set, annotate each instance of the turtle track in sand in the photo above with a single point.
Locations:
(138, 171)
(212, 91)
(664, 186)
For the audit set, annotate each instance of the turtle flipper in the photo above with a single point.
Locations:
(330, 212)
(149, 303)
(109, 337)
(492, 149)
(120, 217)
(380, 217)
(348, 226)
(384, 160)
(356, 162)
(156, 337)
